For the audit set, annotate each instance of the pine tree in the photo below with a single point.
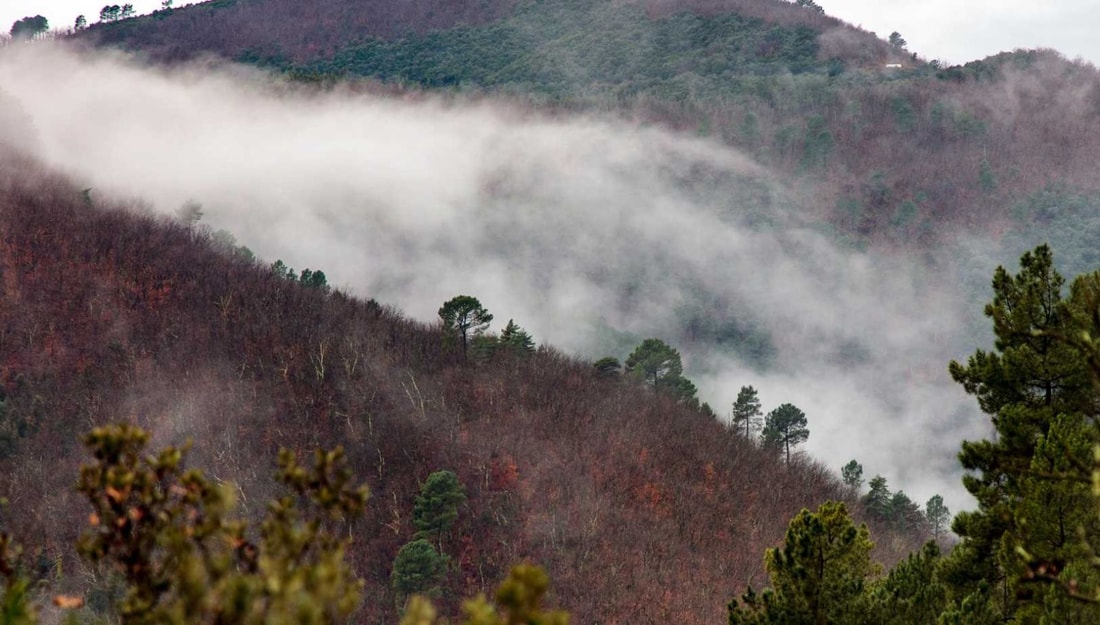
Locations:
(653, 361)
(436, 507)
(817, 576)
(30, 27)
(659, 364)
(746, 414)
(938, 516)
(784, 428)
(607, 367)
(418, 568)
(516, 338)
(877, 500)
(852, 475)
(465, 316)
(904, 513)
(314, 279)
(1036, 389)
(911, 594)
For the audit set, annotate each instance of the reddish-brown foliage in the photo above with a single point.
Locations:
(641, 509)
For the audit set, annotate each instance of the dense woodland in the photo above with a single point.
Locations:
(481, 452)
(887, 156)
(116, 315)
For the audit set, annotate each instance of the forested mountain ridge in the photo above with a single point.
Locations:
(112, 314)
(596, 478)
(900, 155)
(280, 29)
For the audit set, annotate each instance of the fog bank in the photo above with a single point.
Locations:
(591, 234)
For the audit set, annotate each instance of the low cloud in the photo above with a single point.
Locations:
(591, 233)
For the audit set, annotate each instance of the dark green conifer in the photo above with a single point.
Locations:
(817, 576)
(516, 339)
(746, 413)
(1035, 387)
(418, 568)
(784, 428)
(436, 507)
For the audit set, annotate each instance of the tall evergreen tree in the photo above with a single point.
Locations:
(904, 513)
(852, 475)
(877, 500)
(938, 516)
(911, 594)
(653, 361)
(314, 279)
(418, 568)
(110, 13)
(436, 507)
(659, 364)
(465, 316)
(30, 27)
(516, 338)
(817, 576)
(746, 415)
(784, 428)
(1036, 389)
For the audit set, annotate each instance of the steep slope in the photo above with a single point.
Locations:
(640, 508)
(592, 234)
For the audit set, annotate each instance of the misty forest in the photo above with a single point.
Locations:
(543, 312)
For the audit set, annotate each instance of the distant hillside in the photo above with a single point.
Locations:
(284, 29)
(110, 314)
(887, 156)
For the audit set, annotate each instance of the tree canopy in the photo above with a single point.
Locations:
(114, 12)
(183, 559)
(746, 413)
(852, 475)
(817, 575)
(30, 27)
(1029, 481)
(659, 365)
(516, 339)
(465, 316)
(785, 427)
(877, 499)
(170, 534)
(436, 507)
(418, 568)
(938, 516)
(608, 366)
(655, 362)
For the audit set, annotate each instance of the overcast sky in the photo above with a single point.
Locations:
(958, 31)
(62, 13)
(955, 31)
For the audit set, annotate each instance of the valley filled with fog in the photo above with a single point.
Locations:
(591, 232)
